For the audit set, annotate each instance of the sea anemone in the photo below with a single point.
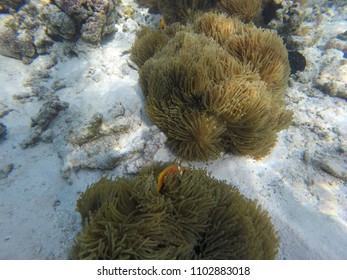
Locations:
(183, 10)
(249, 10)
(218, 26)
(265, 50)
(194, 216)
(216, 86)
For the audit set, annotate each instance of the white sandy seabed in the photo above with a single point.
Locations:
(302, 183)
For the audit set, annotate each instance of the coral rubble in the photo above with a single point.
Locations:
(30, 28)
(8, 5)
(2, 130)
(94, 18)
(49, 110)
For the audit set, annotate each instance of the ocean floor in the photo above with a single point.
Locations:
(71, 117)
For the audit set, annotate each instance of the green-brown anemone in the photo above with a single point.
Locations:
(216, 86)
(194, 216)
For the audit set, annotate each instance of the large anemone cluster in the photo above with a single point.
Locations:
(193, 216)
(214, 85)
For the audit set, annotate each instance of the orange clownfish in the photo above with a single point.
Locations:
(162, 23)
(171, 169)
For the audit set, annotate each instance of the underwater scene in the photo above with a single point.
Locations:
(187, 129)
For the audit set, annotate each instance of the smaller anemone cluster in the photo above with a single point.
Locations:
(215, 85)
(184, 10)
(189, 216)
